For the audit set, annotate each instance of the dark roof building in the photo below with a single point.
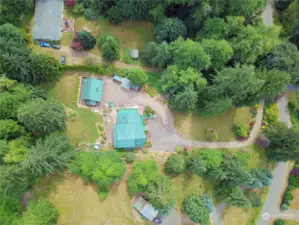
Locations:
(92, 90)
(48, 20)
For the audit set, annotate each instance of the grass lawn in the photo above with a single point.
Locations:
(78, 203)
(289, 222)
(237, 216)
(126, 58)
(193, 126)
(67, 38)
(131, 34)
(295, 201)
(83, 127)
(187, 183)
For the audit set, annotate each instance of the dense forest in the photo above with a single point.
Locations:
(216, 54)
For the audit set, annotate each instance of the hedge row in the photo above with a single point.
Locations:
(293, 183)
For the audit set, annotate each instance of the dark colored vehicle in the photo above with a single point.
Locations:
(44, 44)
(62, 60)
(55, 46)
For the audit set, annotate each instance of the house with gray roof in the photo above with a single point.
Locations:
(48, 20)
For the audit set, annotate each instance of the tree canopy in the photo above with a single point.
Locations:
(42, 116)
(169, 30)
(87, 40)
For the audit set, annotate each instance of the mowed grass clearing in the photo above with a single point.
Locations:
(193, 126)
(238, 216)
(83, 127)
(131, 34)
(78, 203)
(295, 201)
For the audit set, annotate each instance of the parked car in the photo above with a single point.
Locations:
(55, 46)
(44, 44)
(63, 60)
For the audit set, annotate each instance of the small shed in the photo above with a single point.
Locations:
(134, 53)
(125, 83)
(145, 209)
(92, 90)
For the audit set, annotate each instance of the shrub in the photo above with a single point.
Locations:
(279, 222)
(70, 3)
(271, 113)
(148, 111)
(103, 194)
(241, 130)
(100, 127)
(145, 151)
(78, 8)
(208, 202)
(211, 134)
(89, 14)
(255, 199)
(175, 164)
(288, 196)
(130, 157)
(86, 39)
(284, 207)
(115, 16)
(109, 47)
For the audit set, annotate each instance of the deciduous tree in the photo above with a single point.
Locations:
(87, 40)
(175, 164)
(10, 129)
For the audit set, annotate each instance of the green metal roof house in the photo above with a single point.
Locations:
(92, 90)
(129, 129)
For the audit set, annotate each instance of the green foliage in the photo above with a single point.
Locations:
(275, 83)
(271, 113)
(156, 55)
(216, 107)
(175, 81)
(185, 100)
(254, 41)
(220, 52)
(42, 116)
(89, 14)
(148, 111)
(195, 164)
(241, 130)
(4, 147)
(12, 33)
(41, 213)
(109, 47)
(283, 142)
(246, 8)
(280, 222)
(104, 168)
(255, 199)
(194, 207)
(160, 193)
(214, 28)
(78, 8)
(136, 75)
(18, 150)
(114, 16)
(284, 57)
(175, 164)
(9, 129)
(143, 172)
(54, 152)
(103, 194)
(240, 84)
(44, 68)
(169, 30)
(260, 178)
(130, 157)
(238, 199)
(189, 53)
(211, 158)
(211, 134)
(87, 40)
